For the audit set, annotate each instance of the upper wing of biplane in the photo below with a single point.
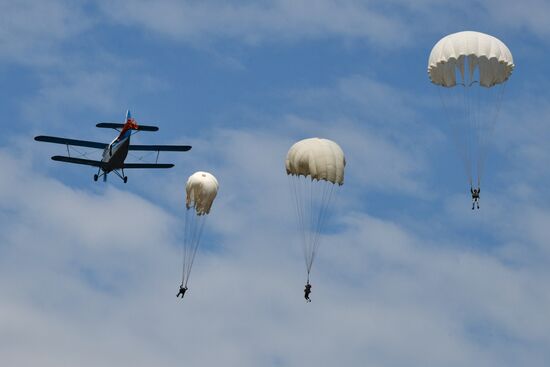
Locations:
(116, 126)
(74, 142)
(160, 148)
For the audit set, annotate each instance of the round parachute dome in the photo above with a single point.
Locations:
(201, 189)
(320, 159)
(487, 54)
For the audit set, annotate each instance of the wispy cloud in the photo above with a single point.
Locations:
(255, 22)
(387, 26)
(32, 32)
(89, 272)
(103, 265)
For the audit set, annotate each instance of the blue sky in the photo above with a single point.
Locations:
(408, 275)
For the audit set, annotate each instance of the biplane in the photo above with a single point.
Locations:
(114, 153)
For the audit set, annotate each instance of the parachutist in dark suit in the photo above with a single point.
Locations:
(475, 197)
(182, 291)
(307, 291)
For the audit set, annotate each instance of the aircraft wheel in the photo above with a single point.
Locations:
(95, 177)
(125, 179)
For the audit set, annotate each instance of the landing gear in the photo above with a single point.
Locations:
(118, 172)
(121, 174)
(100, 174)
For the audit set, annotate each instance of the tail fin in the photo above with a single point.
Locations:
(130, 123)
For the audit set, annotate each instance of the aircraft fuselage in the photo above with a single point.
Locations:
(115, 153)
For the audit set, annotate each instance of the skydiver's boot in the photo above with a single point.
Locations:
(478, 204)
(473, 206)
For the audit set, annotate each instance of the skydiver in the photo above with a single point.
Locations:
(182, 291)
(475, 197)
(307, 291)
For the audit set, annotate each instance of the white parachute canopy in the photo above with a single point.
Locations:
(320, 159)
(201, 190)
(481, 51)
(315, 167)
(471, 70)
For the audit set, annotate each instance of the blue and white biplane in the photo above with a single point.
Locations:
(115, 153)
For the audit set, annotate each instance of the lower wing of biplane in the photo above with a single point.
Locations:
(104, 167)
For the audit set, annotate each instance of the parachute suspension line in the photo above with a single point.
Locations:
(194, 225)
(189, 216)
(481, 96)
(196, 241)
(473, 123)
(468, 133)
(322, 196)
(468, 130)
(183, 247)
(312, 201)
(328, 190)
(482, 111)
(310, 229)
(455, 98)
(472, 131)
(310, 245)
(475, 104)
(495, 98)
(479, 131)
(297, 189)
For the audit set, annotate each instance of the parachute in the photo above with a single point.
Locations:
(314, 167)
(471, 70)
(201, 190)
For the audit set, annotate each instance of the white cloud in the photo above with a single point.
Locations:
(527, 15)
(99, 284)
(254, 22)
(62, 98)
(31, 32)
(391, 25)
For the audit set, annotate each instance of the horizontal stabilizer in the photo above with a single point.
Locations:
(148, 165)
(160, 148)
(74, 142)
(114, 125)
(86, 162)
